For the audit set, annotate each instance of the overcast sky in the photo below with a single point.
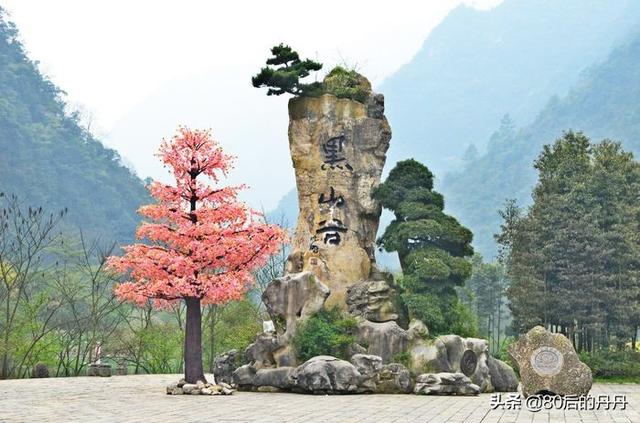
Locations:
(139, 68)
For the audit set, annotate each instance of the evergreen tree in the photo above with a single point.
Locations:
(573, 257)
(285, 76)
(432, 247)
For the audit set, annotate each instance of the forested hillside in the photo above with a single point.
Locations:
(478, 65)
(47, 159)
(604, 104)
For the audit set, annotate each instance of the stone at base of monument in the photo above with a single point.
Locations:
(200, 388)
(102, 370)
(445, 384)
(503, 377)
(549, 364)
(224, 365)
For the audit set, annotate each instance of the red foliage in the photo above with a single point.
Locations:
(203, 242)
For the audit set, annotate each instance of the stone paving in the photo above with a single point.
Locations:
(142, 399)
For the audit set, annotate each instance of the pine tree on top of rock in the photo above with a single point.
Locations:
(284, 71)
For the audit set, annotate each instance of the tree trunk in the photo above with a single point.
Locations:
(193, 371)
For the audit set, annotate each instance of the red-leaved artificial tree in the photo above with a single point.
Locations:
(203, 243)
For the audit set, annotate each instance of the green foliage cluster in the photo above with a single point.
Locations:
(49, 158)
(503, 353)
(611, 364)
(328, 332)
(573, 257)
(431, 245)
(284, 71)
(345, 83)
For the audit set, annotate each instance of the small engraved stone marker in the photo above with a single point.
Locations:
(547, 361)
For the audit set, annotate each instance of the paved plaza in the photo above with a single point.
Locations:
(142, 399)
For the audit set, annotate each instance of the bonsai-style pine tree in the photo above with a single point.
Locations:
(431, 245)
(203, 243)
(285, 77)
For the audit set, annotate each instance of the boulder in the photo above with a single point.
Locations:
(243, 376)
(338, 147)
(369, 367)
(394, 378)
(326, 375)
(445, 384)
(548, 364)
(372, 300)
(503, 377)
(385, 340)
(280, 378)
(224, 365)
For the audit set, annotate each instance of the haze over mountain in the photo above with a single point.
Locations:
(604, 104)
(477, 66)
(49, 160)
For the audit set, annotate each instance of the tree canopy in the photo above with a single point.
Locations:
(431, 245)
(284, 71)
(203, 242)
(573, 257)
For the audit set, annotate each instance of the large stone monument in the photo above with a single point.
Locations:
(338, 147)
(549, 365)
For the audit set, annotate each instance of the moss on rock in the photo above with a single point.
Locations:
(345, 83)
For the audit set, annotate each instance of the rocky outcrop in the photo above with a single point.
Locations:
(385, 340)
(503, 377)
(338, 147)
(260, 353)
(453, 354)
(290, 300)
(445, 384)
(548, 363)
(372, 300)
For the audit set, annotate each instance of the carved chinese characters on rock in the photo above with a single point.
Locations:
(334, 158)
(331, 228)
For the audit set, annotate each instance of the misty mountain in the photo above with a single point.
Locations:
(477, 66)
(48, 159)
(603, 104)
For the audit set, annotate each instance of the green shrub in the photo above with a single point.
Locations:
(403, 358)
(328, 332)
(503, 354)
(345, 83)
(613, 364)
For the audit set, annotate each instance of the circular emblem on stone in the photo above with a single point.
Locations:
(468, 363)
(547, 361)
